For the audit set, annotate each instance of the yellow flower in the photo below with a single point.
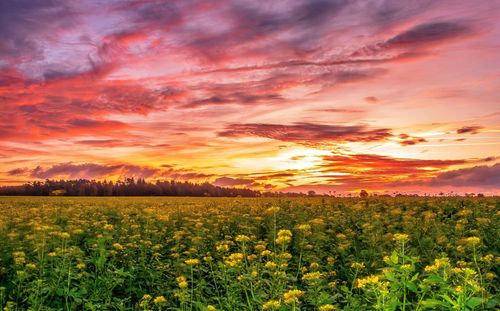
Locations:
(31, 266)
(304, 227)
(260, 247)
(80, 266)
(273, 210)
(283, 239)
(401, 237)
(222, 247)
(270, 265)
(311, 276)
(284, 236)
(489, 275)
(327, 307)
(108, 227)
(160, 300)
(191, 262)
(439, 263)
(472, 241)
(488, 258)
(266, 253)
(271, 305)
(369, 280)
(234, 259)
(242, 238)
(181, 281)
(211, 308)
(292, 296)
(180, 278)
(117, 246)
(358, 265)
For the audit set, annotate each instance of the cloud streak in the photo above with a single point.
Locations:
(308, 132)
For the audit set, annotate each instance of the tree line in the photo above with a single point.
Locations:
(128, 187)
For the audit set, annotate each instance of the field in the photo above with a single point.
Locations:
(68, 253)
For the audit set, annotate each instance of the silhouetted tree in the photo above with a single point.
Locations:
(363, 194)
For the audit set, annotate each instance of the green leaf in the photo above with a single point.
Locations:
(412, 286)
(414, 277)
(432, 303)
(394, 257)
(474, 302)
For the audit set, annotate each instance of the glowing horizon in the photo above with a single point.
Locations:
(331, 96)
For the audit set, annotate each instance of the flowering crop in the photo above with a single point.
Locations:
(249, 254)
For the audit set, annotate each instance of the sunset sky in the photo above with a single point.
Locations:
(295, 95)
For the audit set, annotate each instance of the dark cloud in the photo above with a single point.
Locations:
(477, 176)
(89, 123)
(372, 99)
(99, 171)
(407, 140)
(483, 176)
(25, 23)
(308, 132)
(413, 43)
(429, 33)
(388, 13)
(17, 171)
(71, 170)
(474, 129)
(238, 98)
(230, 182)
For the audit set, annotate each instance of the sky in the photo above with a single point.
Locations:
(288, 95)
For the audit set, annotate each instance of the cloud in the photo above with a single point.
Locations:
(415, 41)
(482, 177)
(469, 129)
(238, 98)
(430, 32)
(372, 99)
(231, 182)
(477, 176)
(407, 140)
(377, 171)
(72, 170)
(24, 24)
(340, 110)
(307, 132)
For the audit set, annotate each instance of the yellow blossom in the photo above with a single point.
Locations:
(271, 305)
(160, 300)
(192, 262)
(292, 296)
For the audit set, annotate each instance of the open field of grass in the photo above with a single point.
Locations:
(163, 253)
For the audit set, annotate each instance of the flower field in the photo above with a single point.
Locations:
(131, 253)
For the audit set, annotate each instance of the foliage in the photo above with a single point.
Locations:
(128, 187)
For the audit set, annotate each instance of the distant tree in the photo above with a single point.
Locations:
(363, 194)
(311, 193)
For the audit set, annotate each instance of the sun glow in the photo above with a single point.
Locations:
(300, 158)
